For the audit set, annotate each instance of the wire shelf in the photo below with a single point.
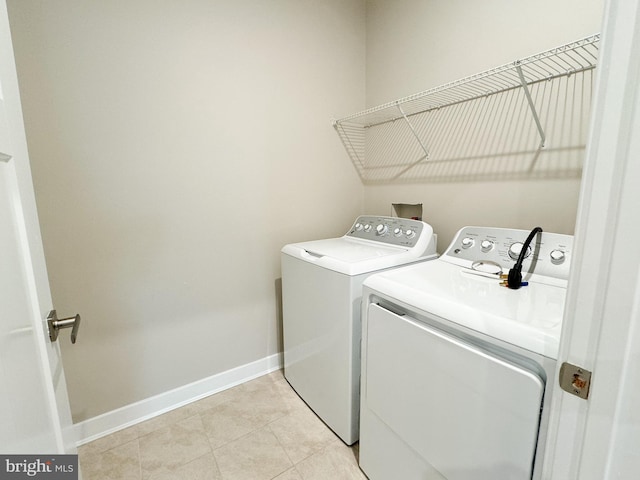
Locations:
(527, 118)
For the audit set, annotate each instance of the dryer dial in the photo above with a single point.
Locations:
(557, 257)
(516, 248)
(467, 242)
(486, 245)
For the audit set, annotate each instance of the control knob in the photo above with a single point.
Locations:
(516, 248)
(358, 227)
(409, 233)
(381, 229)
(367, 228)
(486, 245)
(557, 257)
(467, 242)
(397, 231)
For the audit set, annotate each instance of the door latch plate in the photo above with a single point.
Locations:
(575, 380)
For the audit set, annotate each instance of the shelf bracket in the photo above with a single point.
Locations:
(351, 149)
(527, 94)
(424, 149)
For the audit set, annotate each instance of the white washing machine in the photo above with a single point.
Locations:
(456, 368)
(321, 298)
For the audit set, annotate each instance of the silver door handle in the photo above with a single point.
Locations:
(55, 325)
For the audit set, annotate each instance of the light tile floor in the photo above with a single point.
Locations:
(259, 430)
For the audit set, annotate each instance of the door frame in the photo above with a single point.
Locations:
(599, 438)
(30, 239)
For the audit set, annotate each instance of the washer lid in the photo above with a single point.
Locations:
(348, 250)
(530, 317)
(352, 256)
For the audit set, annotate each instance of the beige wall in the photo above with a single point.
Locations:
(176, 146)
(414, 45)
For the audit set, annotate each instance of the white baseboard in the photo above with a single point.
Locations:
(110, 422)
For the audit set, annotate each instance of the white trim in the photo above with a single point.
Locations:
(110, 422)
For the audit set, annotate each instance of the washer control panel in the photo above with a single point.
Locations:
(548, 254)
(403, 232)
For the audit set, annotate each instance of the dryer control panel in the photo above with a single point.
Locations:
(489, 248)
(402, 232)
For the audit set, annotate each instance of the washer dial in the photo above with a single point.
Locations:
(381, 229)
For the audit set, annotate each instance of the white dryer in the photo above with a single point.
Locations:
(321, 298)
(456, 367)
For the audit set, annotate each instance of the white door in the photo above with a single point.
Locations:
(34, 409)
(599, 438)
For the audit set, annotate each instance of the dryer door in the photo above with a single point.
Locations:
(470, 415)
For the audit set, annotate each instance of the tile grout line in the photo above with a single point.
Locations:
(279, 397)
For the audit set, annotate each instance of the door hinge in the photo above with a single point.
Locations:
(575, 380)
